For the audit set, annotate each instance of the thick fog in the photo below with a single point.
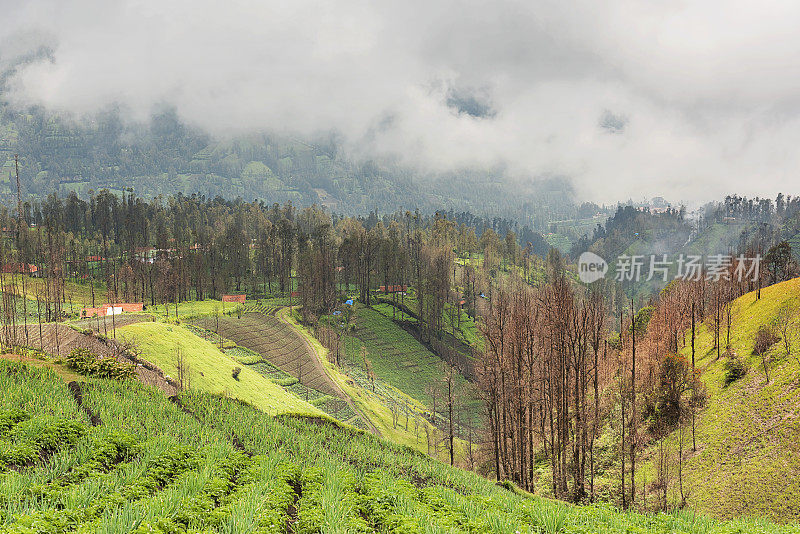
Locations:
(688, 100)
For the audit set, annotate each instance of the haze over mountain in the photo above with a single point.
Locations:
(628, 100)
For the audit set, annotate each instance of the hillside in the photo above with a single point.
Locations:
(210, 369)
(748, 434)
(276, 342)
(397, 358)
(164, 156)
(213, 464)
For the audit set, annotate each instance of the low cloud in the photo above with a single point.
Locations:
(628, 99)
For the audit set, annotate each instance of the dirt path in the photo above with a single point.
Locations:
(282, 316)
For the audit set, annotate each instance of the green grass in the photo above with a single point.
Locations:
(718, 238)
(193, 309)
(210, 369)
(560, 241)
(217, 465)
(333, 406)
(403, 366)
(457, 322)
(76, 294)
(395, 355)
(748, 434)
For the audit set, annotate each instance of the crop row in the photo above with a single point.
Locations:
(217, 465)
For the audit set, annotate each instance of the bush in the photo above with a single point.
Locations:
(286, 382)
(735, 369)
(765, 338)
(88, 363)
(235, 372)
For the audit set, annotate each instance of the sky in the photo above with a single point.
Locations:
(629, 99)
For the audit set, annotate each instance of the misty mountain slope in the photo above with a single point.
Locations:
(165, 156)
(747, 461)
(717, 238)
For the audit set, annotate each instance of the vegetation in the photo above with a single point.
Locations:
(88, 363)
(746, 423)
(171, 347)
(215, 465)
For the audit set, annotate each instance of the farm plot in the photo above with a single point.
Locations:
(210, 369)
(277, 343)
(397, 358)
(394, 354)
(267, 306)
(211, 464)
(329, 404)
(333, 406)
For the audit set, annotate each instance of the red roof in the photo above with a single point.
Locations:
(393, 289)
(28, 268)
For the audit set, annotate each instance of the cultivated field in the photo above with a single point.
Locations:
(332, 405)
(59, 340)
(276, 342)
(211, 464)
(397, 358)
(210, 369)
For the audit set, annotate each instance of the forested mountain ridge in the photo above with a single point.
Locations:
(166, 156)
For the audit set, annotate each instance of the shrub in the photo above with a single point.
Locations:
(88, 363)
(286, 382)
(735, 369)
(235, 372)
(765, 338)
(676, 377)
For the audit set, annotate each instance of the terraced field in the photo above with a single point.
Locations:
(397, 358)
(208, 464)
(277, 343)
(332, 405)
(59, 340)
(210, 369)
(267, 306)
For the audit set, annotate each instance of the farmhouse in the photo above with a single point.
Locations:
(112, 309)
(21, 268)
(393, 289)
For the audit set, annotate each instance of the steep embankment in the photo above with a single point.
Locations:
(212, 464)
(748, 434)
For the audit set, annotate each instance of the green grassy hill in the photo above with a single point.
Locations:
(748, 434)
(211, 464)
(397, 358)
(210, 369)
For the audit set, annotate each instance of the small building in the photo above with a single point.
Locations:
(106, 310)
(234, 298)
(21, 268)
(393, 289)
